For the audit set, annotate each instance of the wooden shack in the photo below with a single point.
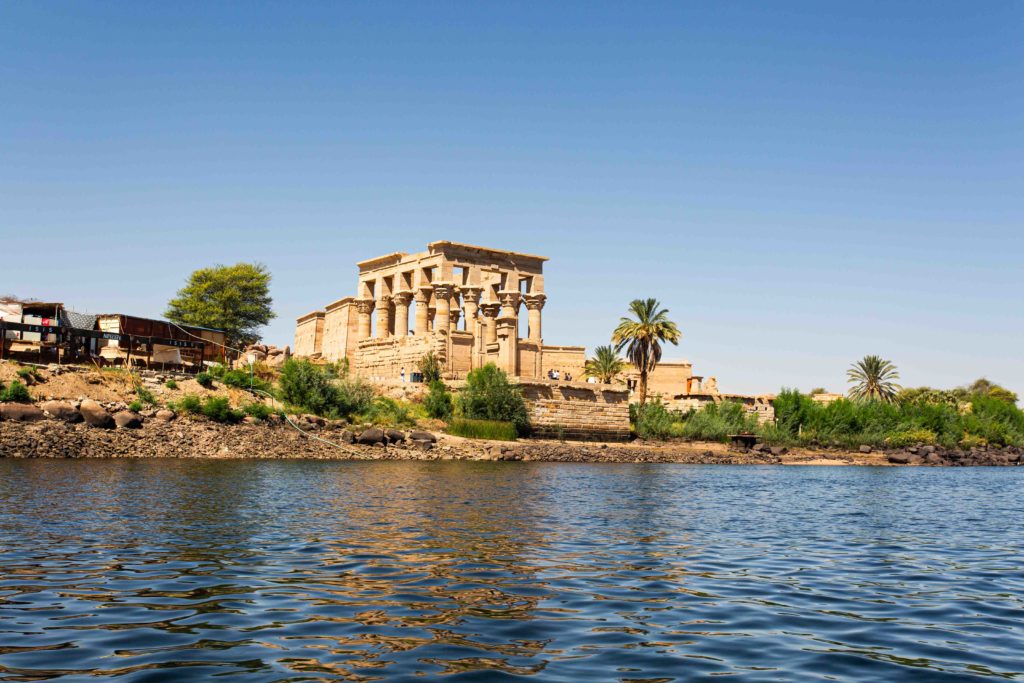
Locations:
(158, 342)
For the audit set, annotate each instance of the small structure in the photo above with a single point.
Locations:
(144, 340)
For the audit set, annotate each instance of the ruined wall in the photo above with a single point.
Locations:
(339, 330)
(383, 359)
(309, 331)
(759, 406)
(577, 410)
(564, 359)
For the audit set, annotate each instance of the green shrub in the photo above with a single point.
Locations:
(218, 409)
(971, 441)
(774, 435)
(29, 375)
(189, 404)
(483, 429)
(438, 402)
(135, 406)
(653, 420)
(488, 395)
(16, 393)
(911, 437)
(171, 384)
(242, 379)
(430, 368)
(260, 411)
(144, 394)
(205, 380)
(716, 421)
(319, 391)
(387, 411)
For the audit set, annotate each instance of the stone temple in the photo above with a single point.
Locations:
(465, 303)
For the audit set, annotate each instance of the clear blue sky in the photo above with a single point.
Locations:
(801, 184)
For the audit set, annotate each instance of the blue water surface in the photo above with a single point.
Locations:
(360, 571)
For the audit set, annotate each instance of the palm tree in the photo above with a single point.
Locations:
(642, 337)
(604, 365)
(873, 379)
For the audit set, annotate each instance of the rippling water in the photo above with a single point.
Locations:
(312, 570)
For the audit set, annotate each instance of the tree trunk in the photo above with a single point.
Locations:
(643, 386)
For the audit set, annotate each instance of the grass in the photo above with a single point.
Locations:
(205, 380)
(482, 429)
(135, 406)
(16, 393)
(216, 408)
(171, 384)
(388, 412)
(29, 375)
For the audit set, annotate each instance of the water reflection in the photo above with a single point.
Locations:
(370, 571)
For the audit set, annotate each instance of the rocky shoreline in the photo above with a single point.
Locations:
(89, 429)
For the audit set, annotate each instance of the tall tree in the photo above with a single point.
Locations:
(874, 379)
(605, 364)
(235, 299)
(642, 337)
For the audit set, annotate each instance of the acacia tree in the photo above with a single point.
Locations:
(605, 364)
(235, 299)
(874, 379)
(643, 336)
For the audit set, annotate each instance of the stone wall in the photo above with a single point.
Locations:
(564, 359)
(577, 410)
(339, 330)
(383, 359)
(309, 331)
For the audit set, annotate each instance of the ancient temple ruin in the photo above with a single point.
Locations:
(460, 301)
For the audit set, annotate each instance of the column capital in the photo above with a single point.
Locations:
(443, 290)
(364, 306)
(402, 298)
(535, 302)
(490, 309)
(471, 293)
(423, 295)
(383, 300)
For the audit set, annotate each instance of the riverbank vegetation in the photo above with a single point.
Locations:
(482, 429)
(953, 419)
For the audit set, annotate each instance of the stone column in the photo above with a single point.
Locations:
(364, 307)
(508, 344)
(471, 302)
(490, 314)
(454, 314)
(402, 300)
(534, 304)
(510, 301)
(442, 297)
(422, 314)
(383, 316)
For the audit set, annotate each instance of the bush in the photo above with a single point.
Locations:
(911, 437)
(242, 379)
(260, 411)
(387, 411)
(483, 429)
(144, 394)
(320, 392)
(205, 380)
(171, 384)
(189, 404)
(430, 368)
(218, 409)
(16, 393)
(972, 441)
(716, 421)
(438, 402)
(488, 395)
(653, 420)
(135, 406)
(29, 375)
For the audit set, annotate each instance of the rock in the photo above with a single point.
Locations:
(395, 436)
(933, 459)
(779, 450)
(420, 435)
(865, 448)
(898, 458)
(314, 419)
(96, 415)
(127, 419)
(759, 447)
(165, 415)
(347, 436)
(424, 444)
(371, 436)
(927, 449)
(61, 410)
(20, 412)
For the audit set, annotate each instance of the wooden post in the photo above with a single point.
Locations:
(128, 358)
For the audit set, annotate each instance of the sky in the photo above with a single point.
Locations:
(799, 183)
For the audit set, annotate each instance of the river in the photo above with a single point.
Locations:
(314, 570)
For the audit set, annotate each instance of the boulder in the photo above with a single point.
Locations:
(96, 415)
(779, 450)
(395, 436)
(127, 419)
(165, 415)
(347, 436)
(20, 412)
(899, 458)
(371, 436)
(423, 444)
(865, 448)
(61, 410)
(420, 435)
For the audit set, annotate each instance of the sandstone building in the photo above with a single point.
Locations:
(465, 303)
